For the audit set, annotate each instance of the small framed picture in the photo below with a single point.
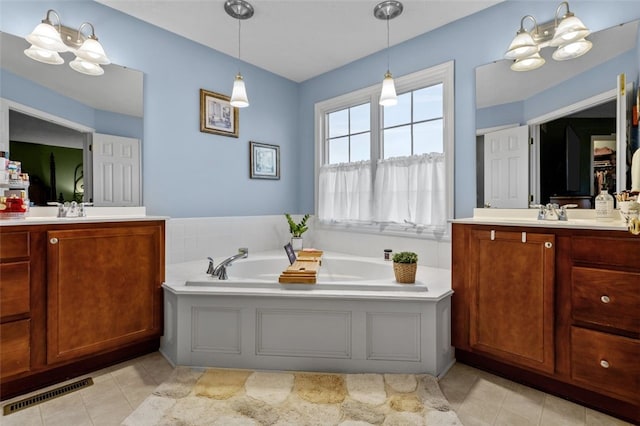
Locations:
(264, 161)
(217, 115)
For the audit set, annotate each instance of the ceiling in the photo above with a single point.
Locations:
(298, 39)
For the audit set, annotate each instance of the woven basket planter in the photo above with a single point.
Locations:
(405, 272)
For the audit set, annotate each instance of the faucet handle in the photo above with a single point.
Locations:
(211, 266)
(569, 206)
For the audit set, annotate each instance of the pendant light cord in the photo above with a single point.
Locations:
(387, 44)
(239, 23)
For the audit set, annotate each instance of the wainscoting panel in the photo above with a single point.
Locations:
(393, 336)
(209, 336)
(292, 332)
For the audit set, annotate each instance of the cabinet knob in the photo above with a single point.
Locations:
(604, 363)
(605, 299)
(548, 244)
(53, 240)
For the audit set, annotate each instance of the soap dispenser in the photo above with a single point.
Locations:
(604, 205)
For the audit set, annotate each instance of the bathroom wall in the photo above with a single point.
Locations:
(187, 173)
(470, 42)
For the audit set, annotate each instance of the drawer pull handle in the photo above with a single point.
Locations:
(605, 299)
(53, 240)
(604, 363)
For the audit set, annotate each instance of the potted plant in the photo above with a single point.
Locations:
(296, 230)
(405, 264)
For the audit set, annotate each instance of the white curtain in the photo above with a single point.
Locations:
(345, 192)
(412, 189)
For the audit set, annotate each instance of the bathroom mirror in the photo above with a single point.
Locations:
(579, 89)
(54, 109)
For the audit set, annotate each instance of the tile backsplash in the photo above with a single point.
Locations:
(190, 239)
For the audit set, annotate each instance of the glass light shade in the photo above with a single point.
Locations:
(572, 50)
(527, 64)
(522, 46)
(239, 94)
(46, 36)
(92, 51)
(570, 29)
(388, 95)
(86, 67)
(44, 55)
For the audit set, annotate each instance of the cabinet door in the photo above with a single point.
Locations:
(511, 309)
(103, 289)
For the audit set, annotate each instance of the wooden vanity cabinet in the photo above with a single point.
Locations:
(93, 298)
(579, 334)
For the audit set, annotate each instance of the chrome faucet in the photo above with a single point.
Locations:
(220, 271)
(552, 211)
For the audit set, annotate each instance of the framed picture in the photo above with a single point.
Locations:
(217, 115)
(264, 161)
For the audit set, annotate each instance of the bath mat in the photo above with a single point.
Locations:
(241, 397)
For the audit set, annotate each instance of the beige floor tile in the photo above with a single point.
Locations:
(27, 417)
(509, 418)
(525, 402)
(560, 412)
(596, 418)
(64, 411)
(485, 390)
(478, 411)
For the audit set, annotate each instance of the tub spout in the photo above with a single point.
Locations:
(220, 271)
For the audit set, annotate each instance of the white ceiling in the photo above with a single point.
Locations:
(298, 39)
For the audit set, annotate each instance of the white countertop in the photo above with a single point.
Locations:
(577, 219)
(48, 216)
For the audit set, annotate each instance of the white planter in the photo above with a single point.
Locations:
(296, 243)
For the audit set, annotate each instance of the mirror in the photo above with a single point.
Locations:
(54, 113)
(574, 98)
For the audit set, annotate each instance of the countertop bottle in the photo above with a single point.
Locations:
(604, 206)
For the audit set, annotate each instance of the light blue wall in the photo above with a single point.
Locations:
(187, 173)
(470, 42)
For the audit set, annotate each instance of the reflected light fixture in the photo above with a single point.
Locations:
(568, 36)
(388, 10)
(241, 10)
(47, 41)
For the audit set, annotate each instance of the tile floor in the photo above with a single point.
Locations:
(478, 397)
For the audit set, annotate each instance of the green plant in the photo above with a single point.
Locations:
(405, 257)
(297, 229)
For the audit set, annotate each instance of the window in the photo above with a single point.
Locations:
(391, 165)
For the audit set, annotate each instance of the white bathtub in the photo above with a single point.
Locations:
(338, 272)
(355, 319)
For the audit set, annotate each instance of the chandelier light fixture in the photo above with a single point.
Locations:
(48, 41)
(388, 10)
(241, 10)
(567, 36)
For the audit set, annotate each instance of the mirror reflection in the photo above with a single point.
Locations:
(58, 121)
(563, 118)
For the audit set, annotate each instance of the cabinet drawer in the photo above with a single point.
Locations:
(605, 362)
(605, 297)
(14, 244)
(15, 350)
(606, 251)
(14, 288)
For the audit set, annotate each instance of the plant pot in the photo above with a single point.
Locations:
(405, 272)
(296, 243)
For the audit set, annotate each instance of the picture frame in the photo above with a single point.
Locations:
(264, 161)
(217, 116)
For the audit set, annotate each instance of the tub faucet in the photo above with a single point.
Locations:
(220, 271)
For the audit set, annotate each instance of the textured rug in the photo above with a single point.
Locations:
(241, 397)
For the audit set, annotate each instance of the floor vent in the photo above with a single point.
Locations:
(46, 396)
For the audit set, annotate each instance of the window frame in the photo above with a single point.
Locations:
(442, 73)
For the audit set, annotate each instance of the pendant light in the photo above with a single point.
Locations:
(388, 10)
(241, 10)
